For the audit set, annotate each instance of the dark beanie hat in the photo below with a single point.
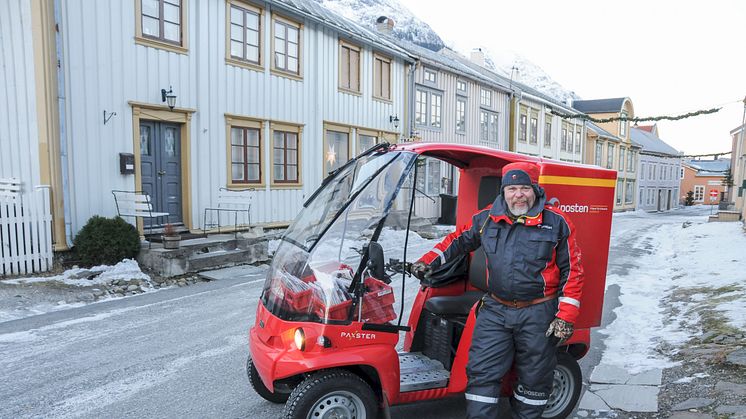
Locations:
(520, 173)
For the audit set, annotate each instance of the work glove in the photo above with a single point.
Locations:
(561, 330)
(420, 270)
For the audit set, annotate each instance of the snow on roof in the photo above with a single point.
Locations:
(709, 167)
(651, 143)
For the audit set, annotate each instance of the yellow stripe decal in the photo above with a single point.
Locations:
(576, 181)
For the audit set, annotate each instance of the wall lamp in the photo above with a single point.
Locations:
(394, 119)
(169, 97)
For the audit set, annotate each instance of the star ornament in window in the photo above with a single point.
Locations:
(331, 155)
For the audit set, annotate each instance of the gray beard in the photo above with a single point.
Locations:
(517, 213)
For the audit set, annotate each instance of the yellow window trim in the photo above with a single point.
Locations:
(388, 60)
(347, 129)
(229, 59)
(273, 68)
(576, 181)
(345, 44)
(140, 39)
(285, 127)
(239, 121)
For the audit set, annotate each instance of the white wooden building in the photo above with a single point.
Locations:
(268, 95)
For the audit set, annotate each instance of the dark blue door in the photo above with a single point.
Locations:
(160, 165)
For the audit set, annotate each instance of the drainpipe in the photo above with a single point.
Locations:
(61, 105)
(409, 111)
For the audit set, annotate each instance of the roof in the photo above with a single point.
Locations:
(648, 128)
(709, 167)
(328, 18)
(601, 132)
(651, 143)
(600, 105)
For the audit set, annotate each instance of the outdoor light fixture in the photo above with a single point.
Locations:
(394, 119)
(169, 97)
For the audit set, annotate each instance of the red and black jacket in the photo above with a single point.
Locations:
(533, 256)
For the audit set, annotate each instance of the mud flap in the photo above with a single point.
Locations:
(384, 411)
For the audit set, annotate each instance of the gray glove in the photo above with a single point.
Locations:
(561, 330)
(420, 270)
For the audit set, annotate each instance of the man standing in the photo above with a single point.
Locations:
(534, 282)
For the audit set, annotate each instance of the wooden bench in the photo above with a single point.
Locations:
(136, 204)
(10, 189)
(236, 202)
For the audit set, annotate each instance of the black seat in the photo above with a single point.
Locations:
(459, 305)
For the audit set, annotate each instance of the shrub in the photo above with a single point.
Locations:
(689, 200)
(106, 241)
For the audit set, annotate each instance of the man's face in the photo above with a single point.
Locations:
(520, 198)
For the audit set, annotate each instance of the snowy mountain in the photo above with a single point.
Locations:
(409, 27)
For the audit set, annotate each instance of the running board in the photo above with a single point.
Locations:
(418, 372)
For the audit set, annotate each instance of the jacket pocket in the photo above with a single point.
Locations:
(542, 244)
(490, 239)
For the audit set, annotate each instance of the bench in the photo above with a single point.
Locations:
(10, 189)
(136, 204)
(235, 202)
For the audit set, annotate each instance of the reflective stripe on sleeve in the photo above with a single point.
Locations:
(532, 402)
(483, 399)
(569, 300)
(440, 254)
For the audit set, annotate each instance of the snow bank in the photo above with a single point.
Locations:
(128, 269)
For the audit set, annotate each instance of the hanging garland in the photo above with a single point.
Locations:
(635, 119)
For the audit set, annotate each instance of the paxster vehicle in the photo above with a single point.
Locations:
(334, 306)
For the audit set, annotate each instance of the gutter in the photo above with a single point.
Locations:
(61, 106)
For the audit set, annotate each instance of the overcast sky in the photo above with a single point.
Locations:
(669, 57)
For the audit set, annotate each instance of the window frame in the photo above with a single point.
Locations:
(629, 191)
(429, 71)
(485, 97)
(229, 57)
(619, 192)
(328, 127)
(547, 131)
(490, 129)
(610, 151)
(598, 158)
(623, 124)
(523, 126)
(377, 79)
(699, 190)
(181, 47)
(460, 82)
(533, 127)
(428, 108)
(578, 139)
(620, 166)
(287, 22)
(377, 135)
(238, 121)
(351, 47)
(462, 100)
(287, 128)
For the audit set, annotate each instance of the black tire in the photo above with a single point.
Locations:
(278, 396)
(568, 382)
(338, 391)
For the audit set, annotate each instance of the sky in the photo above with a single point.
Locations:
(668, 57)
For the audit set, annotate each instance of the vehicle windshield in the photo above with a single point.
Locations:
(321, 251)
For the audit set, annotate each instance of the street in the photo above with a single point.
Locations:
(181, 352)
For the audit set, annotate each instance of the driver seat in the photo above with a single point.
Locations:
(460, 305)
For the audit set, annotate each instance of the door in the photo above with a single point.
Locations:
(160, 165)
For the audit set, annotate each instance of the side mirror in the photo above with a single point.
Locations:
(376, 263)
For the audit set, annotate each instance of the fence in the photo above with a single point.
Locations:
(25, 232)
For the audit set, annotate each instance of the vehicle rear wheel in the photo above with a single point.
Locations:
(278, 396)
(332, 394)
(566, 389)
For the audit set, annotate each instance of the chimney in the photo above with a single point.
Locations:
(477, 57)
(385, 25)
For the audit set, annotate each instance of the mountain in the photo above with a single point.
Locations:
(409, 27)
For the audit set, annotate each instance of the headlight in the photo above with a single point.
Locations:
(300, 339)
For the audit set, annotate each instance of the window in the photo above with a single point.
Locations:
(610, 157)
(570, 142)
(461, 86)
(642, 172)
(577, 140)
(336, 148)
(699, 193)
(365, 141)
(599, 150)
(640, 201)
(534, 138)
(629, 191)
(349, 67)
(622, 150)
(245, 152)
(428, 108)
(485, 97)
(430, 76)
(460, 114)
(381, 77)
(244, 33)
(563, 144)
(433, 177)
(286, 155)
(160, 23)
(623, 125)
(547, 131)
(619, 191)
(681, 173)
(631, 161)
(522, 126)
(286, 46)
(488, 127)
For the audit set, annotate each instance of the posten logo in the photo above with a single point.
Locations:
(569, 208)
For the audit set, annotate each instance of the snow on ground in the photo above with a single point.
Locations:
(127, 269)
(682, 254)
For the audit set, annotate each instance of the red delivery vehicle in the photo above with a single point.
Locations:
(334, 306)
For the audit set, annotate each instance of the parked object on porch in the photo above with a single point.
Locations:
(235, 203)
(136, 204)
(106, 241)
(171, 238)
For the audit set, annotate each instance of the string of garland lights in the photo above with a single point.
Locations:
(716, 155)
(634, 119)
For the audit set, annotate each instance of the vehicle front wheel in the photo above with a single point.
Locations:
(566, 389)
(278, 396)
(337, 394)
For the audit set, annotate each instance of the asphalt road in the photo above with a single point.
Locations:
(175, 353)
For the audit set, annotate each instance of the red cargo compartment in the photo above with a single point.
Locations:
(335, 312)
(298, 301)
(378, 302)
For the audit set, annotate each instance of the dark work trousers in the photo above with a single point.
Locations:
(502, 334)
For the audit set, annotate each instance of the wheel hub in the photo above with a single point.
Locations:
(338, 405)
